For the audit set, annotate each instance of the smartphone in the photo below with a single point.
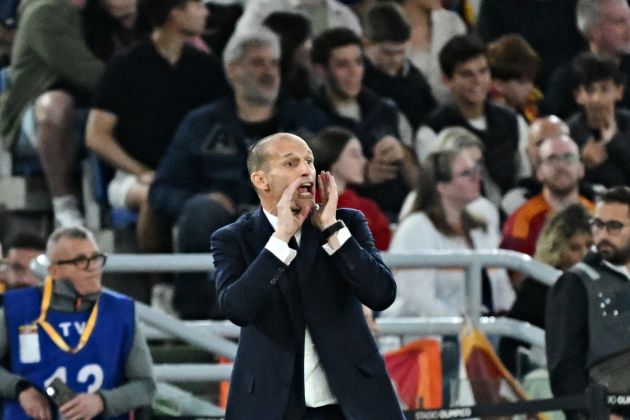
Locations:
(59, 392)
(597, 134)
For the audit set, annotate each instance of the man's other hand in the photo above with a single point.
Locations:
(83, 406)
(34, 404)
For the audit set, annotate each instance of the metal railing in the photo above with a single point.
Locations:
(214, 336)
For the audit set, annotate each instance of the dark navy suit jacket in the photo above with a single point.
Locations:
(258, 292)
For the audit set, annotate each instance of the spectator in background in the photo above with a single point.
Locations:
(440, 220)
(388, 71)
(294, 31)
(19, 252)
(467, 74)
(560, 172)
(323, 14)
(142, 98)
(109, 26)
(458, 138)
(529, 186)
(548, 26)
(605, 24)
(431, 28)
(202, 182)
(564, 240)
(338, 151)
(601, 130)
(338, 61)
(107, 363)
(53, 74)
(513, 65)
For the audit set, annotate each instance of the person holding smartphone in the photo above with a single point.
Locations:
(70, 331)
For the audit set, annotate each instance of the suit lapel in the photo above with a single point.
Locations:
(260, 232)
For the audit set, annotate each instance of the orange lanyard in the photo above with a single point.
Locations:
(52, 333)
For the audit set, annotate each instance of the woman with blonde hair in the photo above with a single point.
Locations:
(563, 242)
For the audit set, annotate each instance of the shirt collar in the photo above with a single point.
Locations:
(621, 269)
(274, 223)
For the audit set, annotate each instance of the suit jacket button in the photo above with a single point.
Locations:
(273, 280)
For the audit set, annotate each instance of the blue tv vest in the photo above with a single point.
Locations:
(98, 365)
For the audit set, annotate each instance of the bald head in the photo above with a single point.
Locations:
(541, 129)
(258, 157)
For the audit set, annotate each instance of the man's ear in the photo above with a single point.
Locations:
(446, 81)
(259, 179)
(320, 72)
(52, 270)
(578, 94)
(230, 72)
(620, 89)
(538, 172)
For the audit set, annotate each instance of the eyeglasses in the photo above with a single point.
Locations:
(473, 172)
(568, 158)
(83, 262)
(613, 227)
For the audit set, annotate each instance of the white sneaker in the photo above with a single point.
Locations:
(67, 212)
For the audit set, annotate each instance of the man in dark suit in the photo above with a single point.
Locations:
(305, 350)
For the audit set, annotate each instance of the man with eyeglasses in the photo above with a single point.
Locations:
(559, 172)
(73, 330)
(588, 309)
(14, 268)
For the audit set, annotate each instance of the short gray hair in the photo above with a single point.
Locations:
(75, 232)
(589, 13)
(240, 42)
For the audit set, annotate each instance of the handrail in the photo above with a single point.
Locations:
(392, 326)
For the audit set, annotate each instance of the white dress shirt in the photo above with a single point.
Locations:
(317, 391)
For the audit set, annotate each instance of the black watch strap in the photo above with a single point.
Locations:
(332, 229)
(22, 385)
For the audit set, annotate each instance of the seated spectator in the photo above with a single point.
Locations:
(19, 252)
(514, 65)
(467, 74)
(562, 243)
(323, 14)
(338, 150)
(548, 26)
(605, 25)
(601, 130)
(53, 74)
(142, 98)
(458, 138)
(110, 26)
(294, 30)
(440, 220)
(388, 71)
(560, 172)
(202, 182)
(106, 363)
(431, 27)
(338, 61)
(529, 186)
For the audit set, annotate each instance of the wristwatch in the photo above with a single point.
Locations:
(332, 229)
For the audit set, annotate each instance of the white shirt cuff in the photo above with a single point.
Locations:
(343, 235)
(281, 250)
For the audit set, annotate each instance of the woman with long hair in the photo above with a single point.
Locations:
(339, 151)
(440, 220)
